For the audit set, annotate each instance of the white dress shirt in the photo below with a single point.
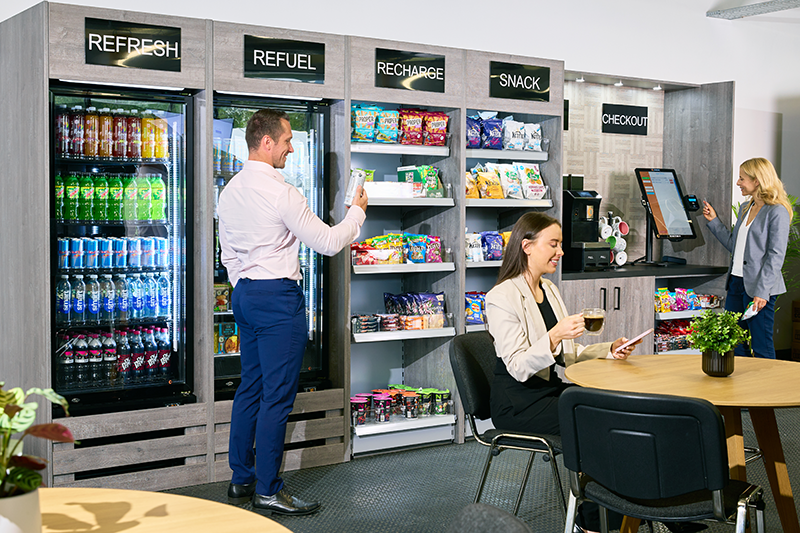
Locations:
(262, 221)
(738, 250)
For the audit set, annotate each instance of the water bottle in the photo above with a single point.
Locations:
(136, 297)
(109, 359)
(121, 310)
(78, 306)
(66, 364)
(150, 355)
(107, 300)
(81, 354)
(95, 360)
(63, 301)
(93, 301)
(164, 354)
(137, 357)
(124, 364)
(164, 296)
(151, 296)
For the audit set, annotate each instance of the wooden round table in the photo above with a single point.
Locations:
(89, 509)
(760, 385)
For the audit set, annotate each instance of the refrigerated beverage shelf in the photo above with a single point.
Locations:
(488, 202)
(484, 264)
(404, 335)
(147, 321)
(223, 313)
(412, 202)
(109, 162)
(399, 423)
(404, 268)
(66, 225)
(516, 155)
(399, 149)
(112, 270)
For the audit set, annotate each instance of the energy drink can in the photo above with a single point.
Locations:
(63, 254)
(357, 178)
(106, 252)
(162, 252)
(76, 254)
(120, 251)
(90, 253)
(148, 252)
(134, 252)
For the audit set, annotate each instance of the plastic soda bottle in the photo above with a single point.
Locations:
(150, 355)
(107, 300)
(164, 296)
(91, 130)
(130, 197)
(151, 296)
(86, 202)
(159, 198)
(72, 193)
(137, 356)
(78, 306)
(124, 366)
(93, 301)
(105, 133)
(115, 194)
(59, 203)
(136, 296)
(63, 301)
(81, 356)
(119, 145)
(121, 302)
(76, 131)
(62, 130)
(109, 359)
(95, 359)
(66, 364)
(134, 135)
(144, 200)
(164, 353)
(161, 149)
(101, 191)
(148, 134)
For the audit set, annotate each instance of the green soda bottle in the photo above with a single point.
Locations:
(115, 193)
(145, 200)
(159, 194)
(59, 204)
(101, 198)
(86, 205)
(72, 193)
(129, 200)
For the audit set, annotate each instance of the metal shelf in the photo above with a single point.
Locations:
(412, 202)
(222, 313)
(399, 149)
(675, 315)
(404, 268)
(475, 327)
(489, 202)
(404, 335)
(483, 264)
(687, 351)
(403, 424)
(516, 155)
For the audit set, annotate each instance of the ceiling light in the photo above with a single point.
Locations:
(657, 88)
(618, 84)
(580, 80)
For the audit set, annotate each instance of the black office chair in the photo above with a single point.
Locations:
(473, 359)
(652, 457)
(482, 518)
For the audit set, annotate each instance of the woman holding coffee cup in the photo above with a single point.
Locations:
(534, 335)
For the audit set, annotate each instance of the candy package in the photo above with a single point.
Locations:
(489, 185)
(491, 246)
(434, 128)
(363, 119)
(433, 249)
(411, 126)
(533, 137)
(473, 132)
(681, 300)
(472, 186)
(513, 134)
(387, 126)
(416, 247)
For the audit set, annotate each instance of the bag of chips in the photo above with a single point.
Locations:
(363, 120)
(492, 134)
(434, 128)
(489, 185)
(509, 180)
(473, 247)
(472, 186)
(492, 246)
(533, 137)
(475, 307)
(474, 132)
(433, 249)
(533, 186)
(513, 134)
(386, 127)
(411, 126)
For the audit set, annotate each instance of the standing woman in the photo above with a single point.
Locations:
(758, 246)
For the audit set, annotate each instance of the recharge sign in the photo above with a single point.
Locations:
(625, 119)
(519, 82)
(409, 70)
(285, 60)
(127, 44)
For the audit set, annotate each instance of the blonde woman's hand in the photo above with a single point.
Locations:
(708, 211)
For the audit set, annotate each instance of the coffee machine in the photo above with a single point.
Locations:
(582, 249)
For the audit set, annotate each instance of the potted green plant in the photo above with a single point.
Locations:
(716, 335)
(19, 474)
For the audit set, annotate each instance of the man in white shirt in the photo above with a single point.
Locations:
(262, 221)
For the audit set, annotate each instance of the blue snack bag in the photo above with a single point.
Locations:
(492, 134)
(473, 132)
(387, 126)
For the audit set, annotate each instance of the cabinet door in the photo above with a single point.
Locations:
(630, 310)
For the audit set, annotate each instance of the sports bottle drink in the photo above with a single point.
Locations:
(76, 131)
(105, 133)
(107, 300)
(59, 203)
(72, 193)
(137, 356)
(164, 296)
(94, 301)
(148, 134)
(119, 146)
(151, 296)
(134, 135)
(86, 200)
(101, 201)
(159, 198)
(164, 354)
(81, 354)
(91, 127)
(130, 199)
(63, 301)
(121, 310)
(95, 360)
(124, 363)
(66, 364)
(115, 195)
(78, 305)
(109, 359)
(144, 200)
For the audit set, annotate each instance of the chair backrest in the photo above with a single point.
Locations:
(473, 359)
(645, 446)
(482, 518)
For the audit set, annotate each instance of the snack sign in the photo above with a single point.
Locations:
(411, 71)
(283, 59)
(127, 44)
(519, 82)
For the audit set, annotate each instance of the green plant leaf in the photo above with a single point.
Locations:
(50, 394)
(30, 462)
(25, 480)
(55, 432)
(22, 420)
(14, 396)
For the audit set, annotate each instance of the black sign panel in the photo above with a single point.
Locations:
(520, 82)
(626, 119)
(127, 44)
(412, 71)
(285, 60)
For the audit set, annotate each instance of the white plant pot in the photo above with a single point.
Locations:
(21, 514)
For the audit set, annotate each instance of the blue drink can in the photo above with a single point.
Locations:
(76, 253)
(148, 252)
(63, 253)
(162, 252)
(90, 253)
(134, 252)
(120, 251)
(106, 252)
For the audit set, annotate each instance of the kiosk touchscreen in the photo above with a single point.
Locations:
(663, 198)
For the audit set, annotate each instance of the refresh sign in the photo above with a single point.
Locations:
(625, 119)
(131, 45)
(284, 60)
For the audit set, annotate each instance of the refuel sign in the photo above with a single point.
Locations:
(283, 59)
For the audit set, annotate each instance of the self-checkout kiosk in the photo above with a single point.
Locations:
(582, 248)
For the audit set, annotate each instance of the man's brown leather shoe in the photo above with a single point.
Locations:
(283, 503)
(240, 494)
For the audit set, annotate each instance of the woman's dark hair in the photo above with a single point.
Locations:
(264, 122)
(529, 226)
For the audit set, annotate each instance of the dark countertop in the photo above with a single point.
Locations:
(633, 271)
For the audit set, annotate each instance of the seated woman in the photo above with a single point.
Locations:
(534, 336)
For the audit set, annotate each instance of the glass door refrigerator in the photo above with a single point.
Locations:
(119, 180)
(305, 171)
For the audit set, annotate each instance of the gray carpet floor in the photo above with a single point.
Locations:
(423, 490)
